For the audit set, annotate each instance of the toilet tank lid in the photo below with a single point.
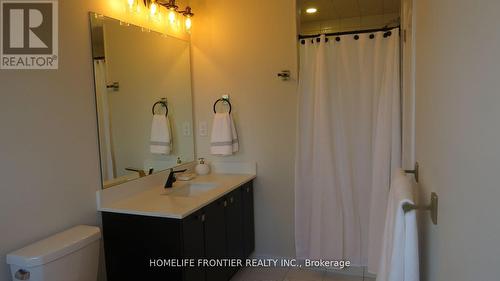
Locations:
(55, 246)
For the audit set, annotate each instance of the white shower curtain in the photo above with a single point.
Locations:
(107, 160)
(348, 144)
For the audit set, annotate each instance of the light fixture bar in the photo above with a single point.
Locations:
(170, 5)
(187, 12)
(173, 9)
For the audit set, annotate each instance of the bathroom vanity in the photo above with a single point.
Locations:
(210, 217)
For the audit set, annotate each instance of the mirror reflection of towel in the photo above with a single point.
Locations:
(224, 140)
(161, 136)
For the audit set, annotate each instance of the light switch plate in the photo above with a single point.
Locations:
(203, 128)
(186, 129)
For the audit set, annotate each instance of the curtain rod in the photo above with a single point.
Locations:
(386, 28)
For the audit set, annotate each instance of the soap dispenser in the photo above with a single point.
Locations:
(202, 168)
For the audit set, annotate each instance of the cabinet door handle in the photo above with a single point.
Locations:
(202, 217)
(225, 203)
(248, 189)
(231, 199)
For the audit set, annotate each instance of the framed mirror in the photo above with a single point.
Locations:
(143, 100)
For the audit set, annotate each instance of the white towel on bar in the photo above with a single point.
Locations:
(224, 140)
(399, 260)
(161, 136)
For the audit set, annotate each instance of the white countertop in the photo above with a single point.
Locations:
(156, 202)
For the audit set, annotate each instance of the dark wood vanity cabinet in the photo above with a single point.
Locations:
(224, 229)
(193, 244)
(248, 219)
(234, 227)
(130, 242)
(215, 238)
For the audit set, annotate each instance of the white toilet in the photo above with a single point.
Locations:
(72, 255)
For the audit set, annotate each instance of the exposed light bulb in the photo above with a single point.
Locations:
(171, 16)
(131, 3)
(311, 10)
(153, 8)
(188, 23)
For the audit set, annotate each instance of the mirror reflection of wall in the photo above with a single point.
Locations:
(134, 69)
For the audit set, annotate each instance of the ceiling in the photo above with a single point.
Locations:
(339, 9)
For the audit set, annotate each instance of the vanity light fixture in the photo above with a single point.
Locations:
(173, 10)
(311, 10)
(153, 8)
(171, 16)
(188, 24)
(131, 4)
(188, 14)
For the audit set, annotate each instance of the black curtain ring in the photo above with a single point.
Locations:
(223, 100)
(162, 103)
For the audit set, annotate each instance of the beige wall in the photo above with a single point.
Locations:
(238, 47)
(48, 145)
(458, 136)
(408, 84)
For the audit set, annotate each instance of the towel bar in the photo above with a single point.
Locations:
(432, 207)
(414, 171)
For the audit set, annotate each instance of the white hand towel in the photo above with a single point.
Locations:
(224, 140)
(399, 260)
(161, 136)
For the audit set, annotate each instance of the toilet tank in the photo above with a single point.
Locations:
(71, 255)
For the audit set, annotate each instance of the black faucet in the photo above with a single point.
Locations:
(171, 177)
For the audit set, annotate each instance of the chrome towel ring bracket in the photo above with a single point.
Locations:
(223, 99)
(163, 102)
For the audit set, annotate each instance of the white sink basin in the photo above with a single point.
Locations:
(193, 189)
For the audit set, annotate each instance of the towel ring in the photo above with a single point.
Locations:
(223, 100)
(162, 103)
